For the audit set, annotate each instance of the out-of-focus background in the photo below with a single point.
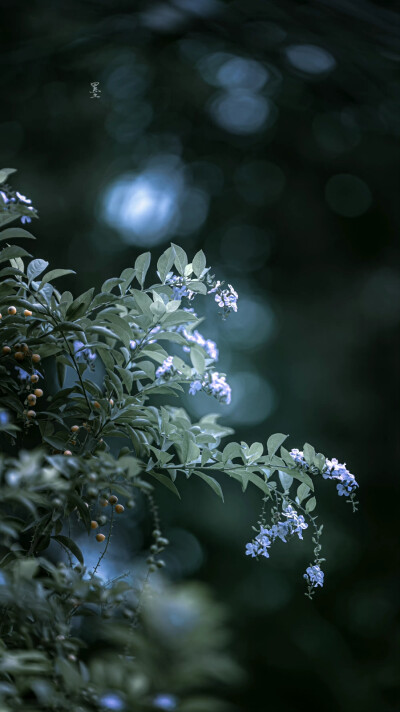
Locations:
(266, 133)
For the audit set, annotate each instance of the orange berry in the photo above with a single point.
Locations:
(25, 348)
(103, 502)
(6, 350)
(19, 355)
(100, 537)
(119, 509)
(27, 312)
(12, 311)
(31, 414)
(75, 428)
(34, 378)
(94, 524)
(36, 358)
(111, 402)
(31, 399)
(1, 316)
(113, 499)
(96, 404)
(73, 442)
(67, 452)
(38, 392)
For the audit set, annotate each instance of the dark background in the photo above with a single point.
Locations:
(267, 134)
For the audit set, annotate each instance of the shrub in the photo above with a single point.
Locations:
(60, 471)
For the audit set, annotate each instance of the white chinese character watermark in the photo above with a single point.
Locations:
(95, 93)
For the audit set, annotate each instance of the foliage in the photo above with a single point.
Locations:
(69, 454)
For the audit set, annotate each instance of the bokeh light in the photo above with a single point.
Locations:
(348, 195)
(310, 59)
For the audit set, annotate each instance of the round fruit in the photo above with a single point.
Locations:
(6, 350)
(35, 358)
(111, 402)
(25, 348)
(113, 499)
(31, 399)
(12, 311)
(19, 356)
(100, 537)
(94, 524)
(103, 502)
(75, 428)
(38, 392)
(119, 509)
(96, 404)
(31, 414)
(67, 452)
(27, 312)
(34, 378)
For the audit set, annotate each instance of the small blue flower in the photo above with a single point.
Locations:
(219, 388)
(334, 470)
(207, 344)
(25, 219)
(4, 196)
(132, 345)
(167, 369)
(83, 351)
(4, 417)
(314, 576)
(165, 702)
(225, 298)
(22, 198)
(194, 387)
(111, 701)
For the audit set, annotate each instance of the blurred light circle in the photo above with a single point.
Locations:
(244, 247)
(260, 182)
(348, 195)
(240, 73)
(145, 207)
(310, 58)
(336, 133)
(240, 112)
(194, 211)
(251, 326)
(252, 398)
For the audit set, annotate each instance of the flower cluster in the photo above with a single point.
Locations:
(167, 369)
(294, 524)
(215, 385)
(82, 351)
(11, 199)
(314, 576)
(336, 471)
(207, 344)
(333, 470)
(179, 288)
(225, 298)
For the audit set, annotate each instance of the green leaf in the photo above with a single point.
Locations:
(80, 305)
(311, 504)
(70, 544)
(166, 481)
(198, 287)
(309, 453)
(286, 480)
(303, 491)
(11, 232)
(13, 251)
(165, 263)
(181, 259)
(198, 360)
(213, 483)
(274, 442)
(142, 264)
(54, 274)
(5, 172)
(35, 268)
(109, 284)
(143, 302)
(199, 263)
